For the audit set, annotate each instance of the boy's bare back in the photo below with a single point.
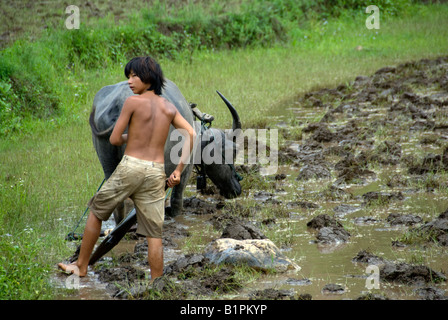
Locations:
(149, 117)
(149, 123)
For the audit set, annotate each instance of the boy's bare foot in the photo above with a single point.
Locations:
(72, 268)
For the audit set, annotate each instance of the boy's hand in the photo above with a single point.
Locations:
(174, 179)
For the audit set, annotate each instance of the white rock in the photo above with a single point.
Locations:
(260, 254)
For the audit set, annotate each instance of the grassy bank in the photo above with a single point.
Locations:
(49, 168)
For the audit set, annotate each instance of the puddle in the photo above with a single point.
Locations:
(87, 288)
(320, 264)
(332, 264)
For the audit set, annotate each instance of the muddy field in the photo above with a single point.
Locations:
(359, 203)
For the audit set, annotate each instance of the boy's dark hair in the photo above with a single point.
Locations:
(148, 70)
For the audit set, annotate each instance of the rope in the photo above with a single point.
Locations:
(72, 236)
(168, 192)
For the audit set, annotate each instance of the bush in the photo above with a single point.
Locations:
(325, 9)
(28, 85)
(10, 106)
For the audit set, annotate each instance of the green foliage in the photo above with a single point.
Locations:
(28, 85)
(325, 9)
(10, 121)
(418, 236)
(22, 273)
(97, 47)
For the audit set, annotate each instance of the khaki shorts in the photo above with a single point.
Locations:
(143, 182)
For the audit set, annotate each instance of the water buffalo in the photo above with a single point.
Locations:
(106, 108)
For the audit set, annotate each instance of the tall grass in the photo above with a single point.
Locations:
(49, 169)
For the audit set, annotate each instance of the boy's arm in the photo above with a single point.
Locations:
(117, 138)
(188, 132)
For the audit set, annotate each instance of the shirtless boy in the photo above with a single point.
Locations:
(140, 174)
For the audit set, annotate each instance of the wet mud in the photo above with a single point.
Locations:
(362, 182)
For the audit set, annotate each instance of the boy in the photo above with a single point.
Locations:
(140, 174)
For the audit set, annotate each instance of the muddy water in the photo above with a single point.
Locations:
(332, 264)
(320, 264)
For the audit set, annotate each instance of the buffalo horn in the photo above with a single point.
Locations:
(236, 119)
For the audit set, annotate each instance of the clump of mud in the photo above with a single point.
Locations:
(365, 256)
(242, 231)
(188, 277)
(275, 294)
(410, 274)
(333, 288)
(410, 99)
(329, 230)
(400, 272)
(437, 229)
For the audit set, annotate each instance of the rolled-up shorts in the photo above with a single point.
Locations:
(142, 181)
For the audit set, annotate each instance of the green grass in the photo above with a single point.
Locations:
(45, 181)
(49, 167)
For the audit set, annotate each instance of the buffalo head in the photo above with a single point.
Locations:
(217, 156)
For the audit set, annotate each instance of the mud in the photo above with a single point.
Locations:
(400, 272)
(242, 231)
(275, 294)
(367, 176)
(438, 228)
(329, 230)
